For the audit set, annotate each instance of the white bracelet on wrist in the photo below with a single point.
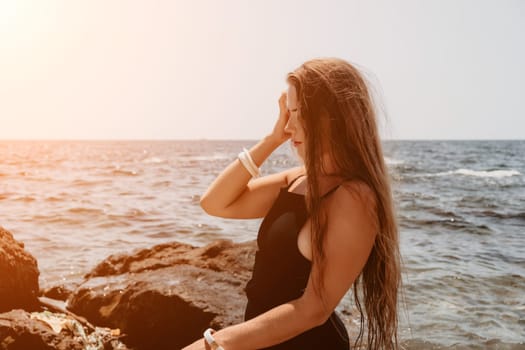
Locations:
(250, 159)
(248, 163)
(211, 341)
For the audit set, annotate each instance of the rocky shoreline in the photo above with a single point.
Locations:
(163, 297)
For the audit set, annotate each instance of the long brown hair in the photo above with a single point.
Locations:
(339, 119)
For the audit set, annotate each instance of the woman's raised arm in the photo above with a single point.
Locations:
(233, 195)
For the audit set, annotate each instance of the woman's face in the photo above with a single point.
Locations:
(294, 126)
(296, 129)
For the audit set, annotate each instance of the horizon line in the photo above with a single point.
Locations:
(227, 139)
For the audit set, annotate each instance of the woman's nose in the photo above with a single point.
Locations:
(289, 124)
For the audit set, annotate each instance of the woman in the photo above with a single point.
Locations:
(328, 225)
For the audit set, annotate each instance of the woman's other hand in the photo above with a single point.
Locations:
(278, 133)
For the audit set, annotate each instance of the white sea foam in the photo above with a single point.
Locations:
(482, 173)
(393, 161)
(217, 156)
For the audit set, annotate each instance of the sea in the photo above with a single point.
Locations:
(460, 206)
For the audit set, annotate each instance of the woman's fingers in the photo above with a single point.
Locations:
(282, 103)
(280, 125)
(284, 115)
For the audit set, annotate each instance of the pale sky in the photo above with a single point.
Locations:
(99, 69)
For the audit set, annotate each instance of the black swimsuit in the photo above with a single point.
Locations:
(281, 272)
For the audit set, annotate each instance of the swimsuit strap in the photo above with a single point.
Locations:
(324, 195)
(291, 183)
(332, 189)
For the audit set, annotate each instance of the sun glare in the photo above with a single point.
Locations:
(23, 21)
(14, 24)
(9, 10)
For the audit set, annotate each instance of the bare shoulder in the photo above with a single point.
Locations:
(352, 220)
(353, 200)
(359, 191)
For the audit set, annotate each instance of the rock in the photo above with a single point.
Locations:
(166, 296)
(60, 292)
(221, 255)
(18, 275)
(20, 329)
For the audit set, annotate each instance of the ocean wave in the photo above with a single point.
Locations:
(165, 183)
(87, 183)
(134, 215)
(26, 198)
(153, 160)
(500, 215)
(85, 211)
(33, 176)
(57, 219)
(161, 234)
(55, 198)
(450, 224)
(419, 343)
(123, 172)
(479, 173)
(393, 161)
(217, 156)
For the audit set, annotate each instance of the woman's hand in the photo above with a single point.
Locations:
(278, 133)
(198, 345)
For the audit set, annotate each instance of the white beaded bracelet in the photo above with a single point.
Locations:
(244, 162)
(248, 163)
(250, 159)
(211, 341)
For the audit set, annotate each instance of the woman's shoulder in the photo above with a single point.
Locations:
(354, 204)
(356, 192)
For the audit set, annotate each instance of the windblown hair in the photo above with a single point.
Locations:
(339, 119)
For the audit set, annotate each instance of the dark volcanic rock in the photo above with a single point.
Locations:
(21, 330)
(166, 296)
(18, 275)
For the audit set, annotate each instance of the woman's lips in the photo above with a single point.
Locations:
(296, 143)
